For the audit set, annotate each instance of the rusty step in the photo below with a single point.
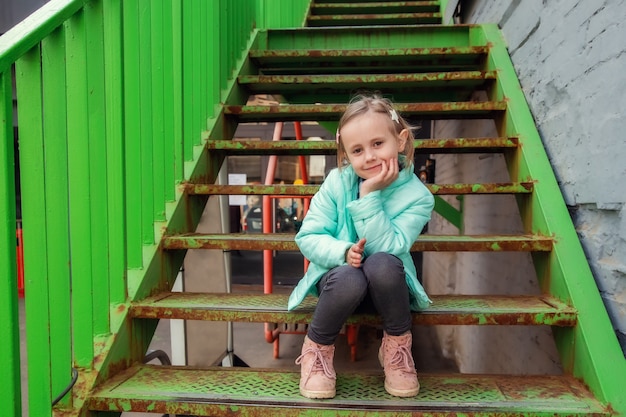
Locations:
(244, 392)
(374, 19)
(425, 243)
(329, 147)
(372, 7)
(332, 112)
(342, 84)
(309, 190)
(272, 308)
(370, 60)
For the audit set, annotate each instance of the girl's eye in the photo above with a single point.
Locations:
(378, 143)
(356, 151)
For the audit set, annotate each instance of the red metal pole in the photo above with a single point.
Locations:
(20, 260)
(301, 159)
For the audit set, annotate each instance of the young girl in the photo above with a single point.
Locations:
(358, 235)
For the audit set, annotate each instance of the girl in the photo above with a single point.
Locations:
(358, 235)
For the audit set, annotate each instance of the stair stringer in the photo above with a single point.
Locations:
(590, 351)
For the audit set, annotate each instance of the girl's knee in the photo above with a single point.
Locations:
(347, 282)
(383, 264)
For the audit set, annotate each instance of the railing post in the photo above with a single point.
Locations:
(9, 316)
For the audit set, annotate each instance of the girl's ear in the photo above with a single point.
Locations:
(402, 137)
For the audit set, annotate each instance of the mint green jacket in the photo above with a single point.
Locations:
(390, 219)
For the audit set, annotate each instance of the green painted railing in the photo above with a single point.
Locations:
(113, 97)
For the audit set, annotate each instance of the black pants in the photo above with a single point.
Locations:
(378, 286)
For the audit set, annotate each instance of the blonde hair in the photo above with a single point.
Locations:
(364, 103)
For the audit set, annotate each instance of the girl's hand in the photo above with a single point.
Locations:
(387, 175)
(354, 255)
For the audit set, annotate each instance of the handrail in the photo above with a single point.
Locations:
(26, 34)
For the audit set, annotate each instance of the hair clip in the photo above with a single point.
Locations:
(337, 137)
(394, 116)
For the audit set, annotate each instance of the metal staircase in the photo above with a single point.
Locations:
(98, 281)
(432, 73)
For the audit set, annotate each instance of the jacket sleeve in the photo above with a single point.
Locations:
(394, 234)
(316, 238)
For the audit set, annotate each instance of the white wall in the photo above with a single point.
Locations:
(14, 11)
(571, 61)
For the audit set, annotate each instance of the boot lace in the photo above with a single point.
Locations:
(320, 364)
(402, 358)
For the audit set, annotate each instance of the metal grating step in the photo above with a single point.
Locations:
(309, 190)
(272, 308)
(329, 147)
(374, 19)
(466, 81)
(247, 392)
(371, 60)
(334, 8)
(425, 243)
(332, 112)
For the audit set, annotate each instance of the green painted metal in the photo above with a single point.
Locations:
(449, 212)
(329, 147)
(309, 190)
(272, 308)
(332, 112)
(374, 19)
(34, 211)
(9, 316)
(284, 241)
(266, 392)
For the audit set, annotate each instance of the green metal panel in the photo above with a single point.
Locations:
(145, 139)
(94, 31)
(281, 14)
(80, 191)
(175, 104)
(157, 112)
(56, 207)
(9, 317)
(114, 127)
(132, 131)
(30, 114)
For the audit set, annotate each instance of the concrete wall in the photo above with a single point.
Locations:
(485, 349)
(570, 59)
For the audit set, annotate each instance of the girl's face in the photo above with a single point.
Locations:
(368, 140)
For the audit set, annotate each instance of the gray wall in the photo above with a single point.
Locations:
(14, 11)
(571, 61)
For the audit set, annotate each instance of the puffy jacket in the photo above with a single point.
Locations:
(390, 219)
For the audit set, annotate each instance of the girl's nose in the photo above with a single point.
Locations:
(369, 155)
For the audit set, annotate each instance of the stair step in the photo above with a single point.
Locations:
(309, 190)
(283, 84)
(272, 308)
(332, 112)
(327, 8)
(374, 19)
(425, 243)
(370, 60)
(329, 147)
(248, 392)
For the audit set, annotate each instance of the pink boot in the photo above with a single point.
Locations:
(317, 374)
(396, 359)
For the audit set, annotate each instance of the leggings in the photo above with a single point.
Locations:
(378, 286)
